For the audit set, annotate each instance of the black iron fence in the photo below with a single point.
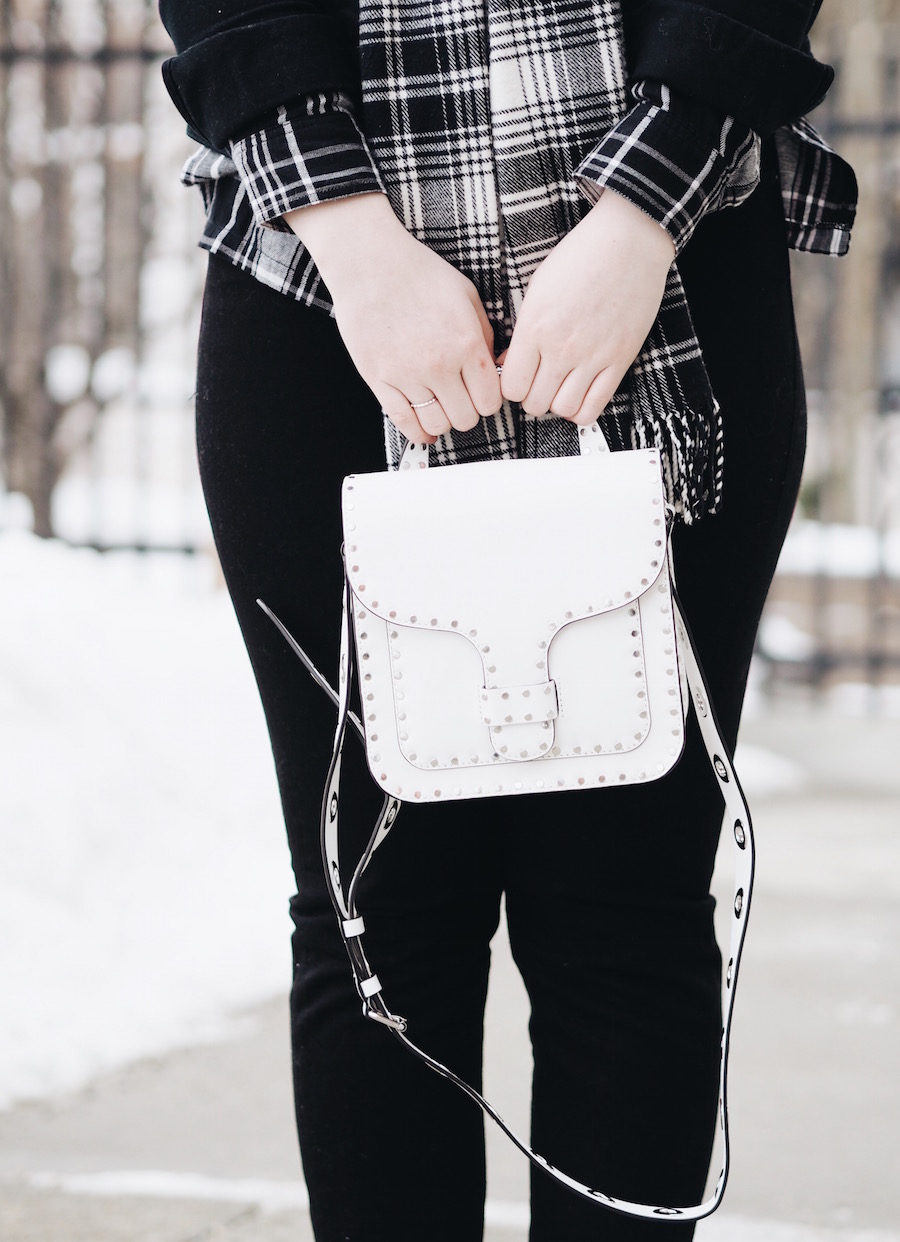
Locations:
(98, 273)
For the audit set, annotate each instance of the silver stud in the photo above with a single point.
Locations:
(413, 620)
(507, 719)
(492, 668)
(454, 762)
(454, 625)
(542, 644)
(523, 754)
(581, 780)
(404, 737)
(529, 716)
(374, 603)
(598, 749)
(434, 620)
(413, 757)
(374, 737)
(437, 793)
(505, 694)
(485, 650)
(568, 616)
(540, 664)
(434, 763)
(526, 694)
(503, 750)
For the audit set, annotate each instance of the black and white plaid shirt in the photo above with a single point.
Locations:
(481, 125)
(316, 152)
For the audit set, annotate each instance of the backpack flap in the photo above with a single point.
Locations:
(514, 625)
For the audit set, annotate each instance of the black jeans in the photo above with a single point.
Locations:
(607, 891)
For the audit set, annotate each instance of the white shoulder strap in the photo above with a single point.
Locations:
(352, 924)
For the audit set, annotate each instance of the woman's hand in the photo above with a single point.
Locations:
(413, 325)
(587, 311)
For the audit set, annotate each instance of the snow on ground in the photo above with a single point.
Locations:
(143, 872)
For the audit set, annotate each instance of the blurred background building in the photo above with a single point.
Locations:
(100, 283)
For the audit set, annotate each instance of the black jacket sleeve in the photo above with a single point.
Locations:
(749, 59)
(238, 60)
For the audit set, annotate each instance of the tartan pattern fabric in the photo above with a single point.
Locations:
(477, 118)
(676, 165)
(818, 189)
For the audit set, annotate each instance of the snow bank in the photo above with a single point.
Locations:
(144, 876)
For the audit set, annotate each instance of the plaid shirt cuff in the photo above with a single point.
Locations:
(314, 152)
(675, 159)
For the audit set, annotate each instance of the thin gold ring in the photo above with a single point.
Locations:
(420, 405)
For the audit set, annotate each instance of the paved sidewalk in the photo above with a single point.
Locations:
(199, 1146)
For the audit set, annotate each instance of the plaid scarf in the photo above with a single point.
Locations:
(478, 113)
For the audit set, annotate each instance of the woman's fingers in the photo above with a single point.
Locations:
(598, 396)
(520, 365)
(398, 409)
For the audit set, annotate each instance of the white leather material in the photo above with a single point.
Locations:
(500, 577)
